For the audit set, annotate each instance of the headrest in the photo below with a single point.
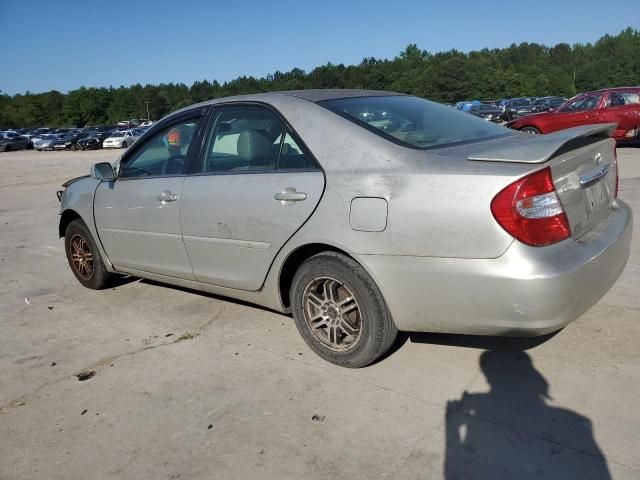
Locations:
(253, 145)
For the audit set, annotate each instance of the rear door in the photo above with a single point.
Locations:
(138, 215)
(623, 107)
(257, 185)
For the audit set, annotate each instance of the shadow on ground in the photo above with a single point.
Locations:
(512, 432)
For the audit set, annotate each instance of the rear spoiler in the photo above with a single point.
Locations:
(528, 148)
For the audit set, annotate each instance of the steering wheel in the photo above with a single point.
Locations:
(174, 165)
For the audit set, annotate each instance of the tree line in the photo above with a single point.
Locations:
(527, 69)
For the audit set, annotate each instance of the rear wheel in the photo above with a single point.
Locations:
(124, 145)
(340, 312)
(7, 148)
(74, 147)
(84, 257)
(531, 130)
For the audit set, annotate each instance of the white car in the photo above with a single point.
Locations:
(121, 139)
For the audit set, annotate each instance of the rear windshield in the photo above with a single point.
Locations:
(413, 121)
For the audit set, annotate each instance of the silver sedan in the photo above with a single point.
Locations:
(361, 213)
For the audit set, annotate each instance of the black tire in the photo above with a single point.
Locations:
(74, 147)
(29, 146)
(377, 331)
(124, 145)
(532, 130)
(98, 277)
(7, 148)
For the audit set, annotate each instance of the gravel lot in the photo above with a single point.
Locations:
(189, 385)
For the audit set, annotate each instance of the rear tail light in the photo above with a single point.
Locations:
(529, 209)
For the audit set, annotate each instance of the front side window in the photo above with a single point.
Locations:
(163, 154)
(582, 104)
(413, 121)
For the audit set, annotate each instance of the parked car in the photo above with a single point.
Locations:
(487, 112)
(13, 141)
(45, 142)
(617, 105)
(544, 104)
(69, 141)
(94, 140)
(295, 201)
(120, 139)
(516, 107)
(466, 106)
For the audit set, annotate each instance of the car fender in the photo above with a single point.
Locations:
(78, 197)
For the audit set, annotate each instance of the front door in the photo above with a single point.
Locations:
(257, 186)
(138, 215)
(581, 111)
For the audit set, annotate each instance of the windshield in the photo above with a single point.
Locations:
(413, 121)
(117, 134)
(486, 107)
(521, 102)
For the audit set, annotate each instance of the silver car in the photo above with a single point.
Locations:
(45, 142)
(361, 213)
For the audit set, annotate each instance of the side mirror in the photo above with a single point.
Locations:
(103, 171)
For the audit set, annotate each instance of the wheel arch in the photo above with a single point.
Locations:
(530, 125)
(66, 218)
(293, 261)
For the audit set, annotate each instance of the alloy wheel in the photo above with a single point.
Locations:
(81, 257)
(332, 313)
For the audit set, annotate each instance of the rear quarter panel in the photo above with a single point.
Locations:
(438, 202)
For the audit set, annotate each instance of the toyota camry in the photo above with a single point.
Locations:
(360, 213)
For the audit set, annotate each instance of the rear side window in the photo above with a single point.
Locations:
(414, 122)
(618, 99)
(252, 139)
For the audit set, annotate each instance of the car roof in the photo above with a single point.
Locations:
(312, 95)
(614, 89)
(319, 95)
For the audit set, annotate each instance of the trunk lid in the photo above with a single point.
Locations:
(583, 166)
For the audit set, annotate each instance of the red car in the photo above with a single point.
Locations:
(612, 105)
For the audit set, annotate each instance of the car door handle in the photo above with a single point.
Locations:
(290, 195)
(167, 196)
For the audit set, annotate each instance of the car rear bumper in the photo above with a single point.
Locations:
(528, 291)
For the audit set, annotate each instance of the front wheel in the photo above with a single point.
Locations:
(84, 257)
(340, 312)
(531, 130)
(124, 145)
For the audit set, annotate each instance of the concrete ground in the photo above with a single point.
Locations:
(189, 385)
